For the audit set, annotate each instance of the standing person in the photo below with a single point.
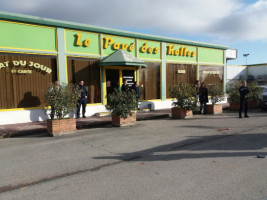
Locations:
(244, 91)
(197, 88)
(125, 87)
(136, 88)
(203, 98)
(82, 99)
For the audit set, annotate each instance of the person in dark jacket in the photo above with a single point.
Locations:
(244, 91)
(203, 98)
(125, 87)
(136, 88)
(82, 99)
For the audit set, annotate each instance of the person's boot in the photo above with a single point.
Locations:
(84, 116)
(246, 116)
(240, 116)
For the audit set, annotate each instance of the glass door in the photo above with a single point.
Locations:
(129, 75)
(112, 80)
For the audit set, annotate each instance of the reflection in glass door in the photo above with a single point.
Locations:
(112, 80)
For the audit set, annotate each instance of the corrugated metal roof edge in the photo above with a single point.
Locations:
(84, 27)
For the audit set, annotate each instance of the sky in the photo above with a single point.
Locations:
(238, 24)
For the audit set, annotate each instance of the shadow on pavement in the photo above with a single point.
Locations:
(244, 145)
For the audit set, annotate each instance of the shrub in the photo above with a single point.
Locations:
(185, 96)
(232, 91)
(62, 99)
(216, 93)
(255, 91)
(122, 103)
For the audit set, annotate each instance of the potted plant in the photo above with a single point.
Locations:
(233, 95)
(186, 100)
(63, 100)
(255, 93)
(216, 95)
(123, 107)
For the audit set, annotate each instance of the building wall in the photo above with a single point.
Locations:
(29, 35)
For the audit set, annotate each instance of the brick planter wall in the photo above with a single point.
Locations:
(253, 104)
(180, 113)
(120, 121)
(59, 127)
(214, 109)
(234, 106)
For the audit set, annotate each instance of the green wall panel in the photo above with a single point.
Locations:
(207, 55)
(82, 42)
(149, 49)
(113, 43)
(25, 36)
(177, 52)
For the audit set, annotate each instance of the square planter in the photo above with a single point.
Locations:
(214, 109)
(60, 127)
(180, 113)
(120, 121)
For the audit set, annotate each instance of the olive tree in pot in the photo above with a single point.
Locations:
(216, 95)
(63, 100)
(255, 93)
(232, 91)
(123, 107)
(186, 100)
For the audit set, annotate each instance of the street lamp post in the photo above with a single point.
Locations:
(246, 55)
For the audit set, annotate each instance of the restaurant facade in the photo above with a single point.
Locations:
(37, 51)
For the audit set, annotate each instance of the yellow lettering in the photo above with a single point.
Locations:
(87, 42)
(193, 53)
(185, 49)
(107, 42)
(181, 51)
(156, 50)
(124, 46)
(176, 52)
(116, 45)
(78, 39)
(150, 50)
(131, 47)
(143, 48)
(171, 49)
(188, 53)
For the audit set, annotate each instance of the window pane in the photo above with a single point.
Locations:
(179, 73)
(211, 74)
(87, 70)
(24, 78)
(150, 81)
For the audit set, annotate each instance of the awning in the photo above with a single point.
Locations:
(121, 58)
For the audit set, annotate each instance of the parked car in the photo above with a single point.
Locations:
(263, 103)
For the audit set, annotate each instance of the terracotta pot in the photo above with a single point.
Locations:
(181, 113)
(120, 121)
(253, 104)
(214, 109)
(234, 106)
(60, 127)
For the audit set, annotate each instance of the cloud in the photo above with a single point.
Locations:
(222, 19)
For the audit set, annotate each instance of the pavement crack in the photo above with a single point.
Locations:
(9, 188)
